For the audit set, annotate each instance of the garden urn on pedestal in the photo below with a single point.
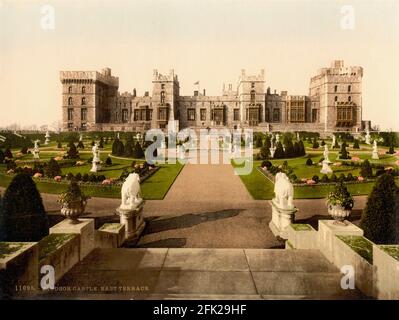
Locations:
(340, 203)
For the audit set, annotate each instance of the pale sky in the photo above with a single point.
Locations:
(209, 41)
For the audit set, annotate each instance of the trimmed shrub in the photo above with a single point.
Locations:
(69, 176)
(138, 151)
(309, 162)
(92, 143)
(379, 217)
(85, 177)
(333, 178)
(366, 171)
(266, 164)
(59, 145)
(8, 153)
(324, 178)
(101, 144)
(323, 143)
(316, 178)
(1, 156)
(81, 145)
(125, 173)
(349, 177)
(24, 150)
(78, 176)
(264, 152)
(344, 154)
(342, 177)
(52, 169)
(108, 161)
(391, 149)
(23, 217)
(293, 178)
(118, 148)
(279, 153)
(73, 152)
(356, 144)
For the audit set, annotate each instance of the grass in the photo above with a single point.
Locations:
(360, 245)
(52, 242)
(8, 248)
(301, 227)
(392, 250)
(111, 227)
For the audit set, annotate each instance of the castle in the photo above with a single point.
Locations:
(91, 101)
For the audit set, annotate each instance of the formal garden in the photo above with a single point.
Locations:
(301, 157)
(69, 156)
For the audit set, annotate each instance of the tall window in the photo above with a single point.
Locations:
(83, 89)
(162, 114)
(124, 115)
(314, 115)
(335, 88)
(83, 114)
(70, 114)
(276, 115)
(70, 101)
(162, 86)
(267, 115)
(203, 114)
(191, 114)
(236, 115)
(162, 97)
(253, 96)
(136, 115)
(336, 98)
(253, 85)
(70, 89)
(349, 88)
(83, 101)
(349, 98)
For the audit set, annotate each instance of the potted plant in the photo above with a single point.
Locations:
(340, 203)
(73, 202)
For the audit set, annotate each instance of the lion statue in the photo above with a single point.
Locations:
(284, 191)
(131, 194)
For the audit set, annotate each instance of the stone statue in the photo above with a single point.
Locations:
(333, 141)
(47, 136)
(36, 150)
(131, 194)
(284, 191)
(326, 162)
(325, 153)
(81, 137)
(368, 137)
(277, 138)
(374, 154)
(96, 158)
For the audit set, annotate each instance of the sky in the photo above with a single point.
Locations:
(206, 40)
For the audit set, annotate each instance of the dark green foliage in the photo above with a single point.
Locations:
(315, 144)
(118, 148)
(336, 145)
(309, 162)
(128, 150)
(81, 145)
(73, 152)
(323, 143)
(1, 156)
(108, 161)
(279, 153)
(380, 216)
(333, 177)
(23, 215)
(85, 177)
(267, 142)
(289, 149)
(293, 178)
(301, 149)
(266, 164)
(343, 153)
(391, 149)
(366, 171)
(125, 173)
(264, 152)
(8, 153)
(78, 176)
(101, 144)
(324, 178)
(52, 169)
(341, 177)
(258, 142)
(316, 178)
(59, 145)
(24, 150)
(138, 151)
(349, 177)
(356, 144)
(69, 176)
(92, 143)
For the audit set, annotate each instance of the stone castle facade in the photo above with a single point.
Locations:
(91, 101)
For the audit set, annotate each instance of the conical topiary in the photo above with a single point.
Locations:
(23, 216)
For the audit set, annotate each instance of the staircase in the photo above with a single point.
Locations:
(180, 273)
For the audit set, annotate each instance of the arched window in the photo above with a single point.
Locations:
(253, 96)
(336, 98)
(83, 89)
(70, 101)
(70, 89)
(349, 88)
(162, 97)
(349, 98)
(335, 88)
(83, 101)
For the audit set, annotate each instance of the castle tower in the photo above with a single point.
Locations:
(87, 98)
(251, 95)
(338, 90)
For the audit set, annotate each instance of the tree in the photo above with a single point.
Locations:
(138, 151)
(309, 162)
(380, 216)
(8, 153)
(128, 150)
(118, 147)
(366, 171)
(52, 169)
(289, 148)
(356, 144)
(343, 153)
(73, 152)
(101, 144)
(108, 161)
(391, 149)
(301, 149)
(267, 142)
(23, 216)
(279, 153)
(258, 142)
(59, 145)
(315, 144)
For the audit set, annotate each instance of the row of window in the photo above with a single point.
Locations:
(70, 101)
(83, 89)
(349, 88)
(336, 98)
(83, 114)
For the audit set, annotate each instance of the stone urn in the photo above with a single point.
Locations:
(339, 213)
(73, 210)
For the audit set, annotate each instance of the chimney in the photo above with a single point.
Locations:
(195, 93)
(204, 92)
(146, 94)
(134, 92)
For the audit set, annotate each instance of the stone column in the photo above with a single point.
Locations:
(133, 221)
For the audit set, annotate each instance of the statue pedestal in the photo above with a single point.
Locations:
(133, 221)
(96, 167)
(281, 219)
(326, 169)
(374, 155)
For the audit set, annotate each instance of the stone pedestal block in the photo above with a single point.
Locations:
(18, 268)
(133, 221)
(281, 219)
(110, 235)
(85, 228)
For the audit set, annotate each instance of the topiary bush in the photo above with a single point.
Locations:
(379, 219)
(316, 178)
(333, 178)
(81, 145)
(138, 152)
(52, 169)
(343, 153)
(73, 152)
(309, 162)
(118, 148)
(59, 145)
(324, 179)
(78, 176)
(366, 171)
(85, 177)
(1, 156)
(69, 176)
(279, 153)
(342, 177)
(23, 217)
(264, 152)
(108, 161)
(356, 144)
(323, 143)
(266, 164)
(8, 153)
